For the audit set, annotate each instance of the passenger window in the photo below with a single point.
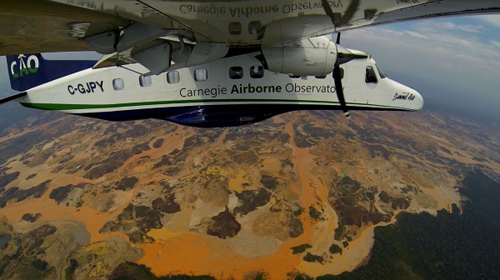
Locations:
(145, 81)
(236, 72)
(254, 27)
(173, 77)
(370, 76)
(234, 28)
(256, 72)
(118, 84)
(200, 74)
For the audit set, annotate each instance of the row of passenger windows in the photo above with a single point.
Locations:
(199, 75)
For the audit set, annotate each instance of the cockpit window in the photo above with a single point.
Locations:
(380, 72)
(370, 76)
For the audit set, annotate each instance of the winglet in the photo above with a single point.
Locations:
(13, 97)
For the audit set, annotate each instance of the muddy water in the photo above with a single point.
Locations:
(194, 254)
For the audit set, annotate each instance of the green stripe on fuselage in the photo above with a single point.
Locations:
(64, 107)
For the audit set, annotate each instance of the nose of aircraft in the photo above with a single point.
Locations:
(414, 98)
(418, 101)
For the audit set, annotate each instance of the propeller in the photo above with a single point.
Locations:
(337, 77)
(342, 57)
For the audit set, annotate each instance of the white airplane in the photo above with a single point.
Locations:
(206, 63)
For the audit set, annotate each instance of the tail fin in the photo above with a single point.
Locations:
(30, 70)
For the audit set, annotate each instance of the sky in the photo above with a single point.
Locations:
(453, 62)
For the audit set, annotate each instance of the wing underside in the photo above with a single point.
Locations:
(32, 26)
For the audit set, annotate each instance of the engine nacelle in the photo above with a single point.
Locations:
(308, 57)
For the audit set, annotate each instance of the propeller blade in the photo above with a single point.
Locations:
(340, 90)
(338, 38)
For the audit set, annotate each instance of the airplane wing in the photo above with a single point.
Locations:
(32, 26)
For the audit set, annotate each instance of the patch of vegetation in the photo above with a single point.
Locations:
(250, 200)
(379, 150)
(147, 218)
(256, 275)
(110, 164)
(400, 203)
(158, 143)
(301, 248)
(39, 264)
(70, 270)
(313, 258)
(339, 232)
(164, 161)
(298, 211)
(269, 182)
(335, 249)
(60, 194)
(385, 197)
(369, 195)
(167, 205)
(409, 189)
(347, 186)
(224, 225)
(132, 271)
(22, 194)
(247, 157)
(286, 162)
(28, 217)
(24, 143)
(5, 238)
(301, 140)
(133, 217)
(295, 228)
(136, 131)
(137, 149)
(8, 178)
(35, 238)
(110, 141)
(351, 212)
(127, 183)
(446, 150)
(315, 214)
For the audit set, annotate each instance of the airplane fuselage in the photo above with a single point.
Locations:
(231, 91)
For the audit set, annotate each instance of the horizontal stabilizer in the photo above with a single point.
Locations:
(13, 97)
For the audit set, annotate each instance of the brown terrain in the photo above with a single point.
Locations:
(299, 194)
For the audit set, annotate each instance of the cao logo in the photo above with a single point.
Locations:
(24, 66)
